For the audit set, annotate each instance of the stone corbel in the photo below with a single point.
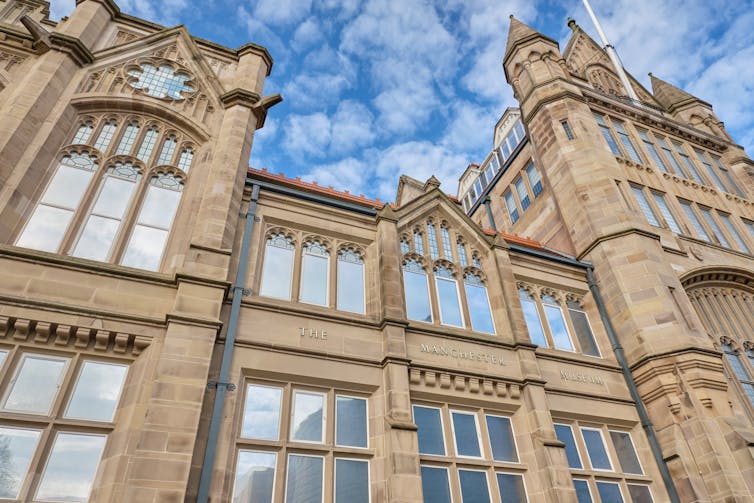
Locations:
(45, 41)
(259, 105)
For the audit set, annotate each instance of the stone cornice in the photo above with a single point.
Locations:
(258, 50)
(110, 5)
(615, 235)
(71, 46)
(241, 97)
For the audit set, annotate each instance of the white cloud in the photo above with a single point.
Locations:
(347, 174)
(282, 12)
(315, 90)
(307, 34)
(307, 134)
(352, 127)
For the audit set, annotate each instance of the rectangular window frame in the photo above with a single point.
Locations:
(489, 437)
(288, 469)
(442, 427)
(478, 433)
(604, 445)
(336, 457)
(478, 470)
(335, 419)
(325, 404)
(302, 276)
(56, 397)
(437, 280)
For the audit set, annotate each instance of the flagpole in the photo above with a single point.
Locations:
(612, 54)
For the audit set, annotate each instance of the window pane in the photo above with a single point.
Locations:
(626, 140)
(447, 295)
(351, 421)
(434, 252)
(96, 238)
(36, 384)
(533, 323)
(17, 447)
(501, 439)
(3, 354)
(351, 481)
(510, 203)
(534, 179)
(114, 197)
(304, 479)
(479, 308)
(474, 487)
(71, 467)
(511, 488)
(159, 207)
(707, 213)
(584, 333)
(582, 491)
(67, 187)
(429, 425)
(666, 213)
(609, 493)
(728, 223)
(629, 462)
(308, 417)
(523, 194)
(466, 434)
(595, 447)
(145, 248)
(97, 391)
(350, 287)
(694, 221)
(314, 279)
(277, 272)
(565, 435)
(435, 486)
(105, 136)
(639, 494)
(45, 228)
(641, 199)
(261, 413)
(558, 327)
(147, 144)
(417, 296)
(255, 477)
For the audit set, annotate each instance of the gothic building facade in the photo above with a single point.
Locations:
(177, 327)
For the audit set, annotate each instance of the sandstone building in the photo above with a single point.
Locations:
(177, 327)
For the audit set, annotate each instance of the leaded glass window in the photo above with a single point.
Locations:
(447, 246)
(643, 202)
(434, 252)
(626, 141)
(740, 372)
(184, 161)
(162, 82)
(666, 213)
(652, 149)
(688, 163)
(462, 259)
(418, 243)
(404, 246)
(695, 222)
(147, 144)
(105, 136)
(608, 135)
(83, 133)
(535, 180)
(128, 139)
(168, 149)
(728, 223)
(712, 223)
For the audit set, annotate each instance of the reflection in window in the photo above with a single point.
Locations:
(315, 263)
(277, 271)
(501, 439)
(523, 194)
(535, 180)
(466, 434)
(255, 477)
(447, 296)
(350, 421)
(50, 219)
(583, 330)
(609, 492)
(418, 243)
(350, 281)
(147, 144)
(71, 467)
(261, 414)
(624, 448)
(307, 418)
(18, 447)
(595, 448)
(97, 391)
(447, 247)
(462, 259)
(430, 433)
(435, 484)
(36, 384)
(531, 316)
(150, 234)
(583, 494)
(351, 481)
(305, 479)
(511, 486)
(118, 188)
(417, 292)
(474, 486)
(478, 303)
(556, 322)
(639, 493)
(565, 435)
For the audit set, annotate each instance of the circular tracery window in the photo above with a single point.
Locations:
(162, 82)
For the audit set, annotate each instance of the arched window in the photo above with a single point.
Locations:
(447, 296)
(531, 316)
(168, 149)
(123, 211)
(315, 265)
(556, 322)
(447, 246)
(461, 249)
(184, 161)
(479, 304)
(417, 292)
(277, 273)
(434, 251)
(418, 243)
(350, 281)
(404, 246)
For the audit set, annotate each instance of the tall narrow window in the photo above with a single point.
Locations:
(742, 375)
(535, 181)
(128, 139)
(255, 476)
(688, 163)
(728, 223)
(350, 281)
(305, 479)
(624, 448)
(447, 246)
(416, 289)
(652, 149)
(20, 444)
(466, 434)
(567, 129)
(261, 414)
(61, 483)
(434, 252)
(695, 222)
(430, 432)
(523, 194)
(447, 296)
(710, 170)
(351, 481)
(147, 144)
(710, 219)
(626, 141)
(564, 433)
(168, 149)
(728, 177)
(150, 234)
(404, 246)
(478, 303)
(184, 161)
(608, 135)
(277, 272)
(308, 416)
(418, 243)
(510, 204)
(556, 322)
(643, 202)
(315, 264)
(595, 448)
(435, 484)
(582, 328)
(105, 136)
(669, 155)
(54, 212)
(666, 213)
(104, 221)
(531, 316)
(83, 133)
(461, 249)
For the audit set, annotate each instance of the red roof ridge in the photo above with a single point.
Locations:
(315, 187)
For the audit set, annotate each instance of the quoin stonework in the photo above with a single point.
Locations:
(175, 326)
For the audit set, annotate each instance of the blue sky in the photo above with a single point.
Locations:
(377, 88)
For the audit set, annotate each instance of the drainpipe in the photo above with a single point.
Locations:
(646, 424)
(230, 338)
(487, 202)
